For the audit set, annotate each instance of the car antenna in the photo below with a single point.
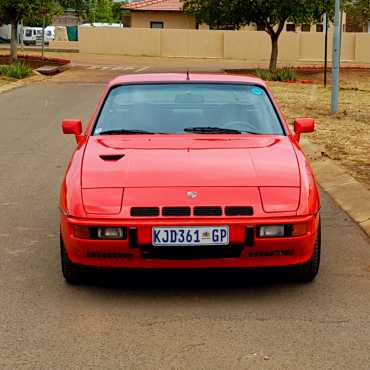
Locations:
(187, 76)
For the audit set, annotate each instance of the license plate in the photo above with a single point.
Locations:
(196, 235)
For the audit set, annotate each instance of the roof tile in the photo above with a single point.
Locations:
(155, 5)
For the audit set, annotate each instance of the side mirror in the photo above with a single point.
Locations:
(72, 126)
(303, 125)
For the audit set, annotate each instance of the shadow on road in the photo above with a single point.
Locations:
(190, 280)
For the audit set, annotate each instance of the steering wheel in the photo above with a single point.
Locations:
(240, 125)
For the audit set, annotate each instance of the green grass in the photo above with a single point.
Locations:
(281, 74)
(17, 70)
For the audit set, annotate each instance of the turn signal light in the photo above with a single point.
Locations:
(299, 229)
(81, 232)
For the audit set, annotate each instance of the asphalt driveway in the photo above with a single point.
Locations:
(153, 321)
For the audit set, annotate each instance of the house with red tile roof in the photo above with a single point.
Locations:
(170, 14)
(158, 14)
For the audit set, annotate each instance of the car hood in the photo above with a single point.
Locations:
(189, 160)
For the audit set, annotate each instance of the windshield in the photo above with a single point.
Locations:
(188, 108)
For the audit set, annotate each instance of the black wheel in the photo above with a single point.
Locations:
(72, 273)
(307, 272)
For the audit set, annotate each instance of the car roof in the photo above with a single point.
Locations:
(183, 77)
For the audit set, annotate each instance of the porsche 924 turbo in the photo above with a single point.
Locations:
(178, 171)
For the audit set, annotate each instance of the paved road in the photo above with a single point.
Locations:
(178, 321)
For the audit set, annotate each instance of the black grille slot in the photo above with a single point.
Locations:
(239, 211)
(145, 211)
(207, 211)
(249, 236)
(176, 211)
(108, 255)
(191, 253)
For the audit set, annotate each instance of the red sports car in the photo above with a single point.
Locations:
(182, 171)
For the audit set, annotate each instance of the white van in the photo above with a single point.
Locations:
(49, 34)
(32, 35)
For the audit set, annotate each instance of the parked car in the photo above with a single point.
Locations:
(189, 171)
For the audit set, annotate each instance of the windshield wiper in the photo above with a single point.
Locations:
(217, 130)
(126, 132)
(211, 130)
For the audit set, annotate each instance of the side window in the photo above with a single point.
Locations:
(156, 25)
(290, 27)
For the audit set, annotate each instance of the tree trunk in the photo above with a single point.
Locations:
(14, 40)
(274, 52)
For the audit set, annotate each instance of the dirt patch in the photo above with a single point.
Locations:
(346, 135)
(4, 81)
(353, 78)
(35, 61)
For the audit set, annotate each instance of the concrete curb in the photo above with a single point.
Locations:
(37, 77)
(346, 191)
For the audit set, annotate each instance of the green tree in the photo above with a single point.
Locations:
(117, 12)
(359, 10)
(80, 6)
(35, 18)
(104, 11)
(13, 11)
(270, 15)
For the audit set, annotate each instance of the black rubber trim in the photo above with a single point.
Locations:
(132, 238)
(249, 236)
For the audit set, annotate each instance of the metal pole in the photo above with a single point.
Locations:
(336, 59)
(21, 34)
(326, 50)
(43, 36)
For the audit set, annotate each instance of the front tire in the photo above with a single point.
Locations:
(307, 272)
(73, 274)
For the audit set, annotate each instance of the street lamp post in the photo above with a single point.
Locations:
(336, 59)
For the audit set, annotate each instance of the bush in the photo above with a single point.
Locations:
(282, 74)
(17, 70)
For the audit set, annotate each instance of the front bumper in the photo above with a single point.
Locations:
(244, 252)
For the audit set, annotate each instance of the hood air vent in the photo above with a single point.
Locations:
(111, 157)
